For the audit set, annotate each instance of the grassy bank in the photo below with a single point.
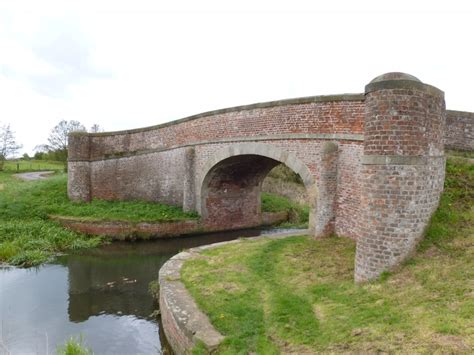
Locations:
(27, 237)
(298, 215)
(298, 295)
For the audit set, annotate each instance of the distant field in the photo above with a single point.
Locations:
(32, 165)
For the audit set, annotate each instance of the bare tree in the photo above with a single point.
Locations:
(95, 128)
(8, 144)
(58, 138)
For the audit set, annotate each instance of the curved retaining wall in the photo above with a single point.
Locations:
(183, 323)
(119, 230)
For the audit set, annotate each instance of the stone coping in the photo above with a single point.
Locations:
(461, 113)
(186, 325)
(404, 85)
(285, 102)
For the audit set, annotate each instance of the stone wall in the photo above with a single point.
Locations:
(459, 130)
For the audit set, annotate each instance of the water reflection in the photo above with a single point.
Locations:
(102, 295)
(111, 285)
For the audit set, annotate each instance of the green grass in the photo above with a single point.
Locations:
(284, 173)
(460, 153)
(298, 214)
(73, 346)
(27, 237)
(32, 165)
(297, 295)
(38, 199)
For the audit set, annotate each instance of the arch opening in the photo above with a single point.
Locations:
(231, 189)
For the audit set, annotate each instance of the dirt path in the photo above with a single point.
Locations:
(35, 175)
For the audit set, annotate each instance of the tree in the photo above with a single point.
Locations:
(8, 144)
(58, 139)
(95, 128)
(39, 155)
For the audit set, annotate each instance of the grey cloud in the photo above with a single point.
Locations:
(61, 44)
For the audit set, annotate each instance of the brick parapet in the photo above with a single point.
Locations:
(260, 105)
(341, 116)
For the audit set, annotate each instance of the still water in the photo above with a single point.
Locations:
(101, 295)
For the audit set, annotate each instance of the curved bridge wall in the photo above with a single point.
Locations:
(168, 163)
(373, 163)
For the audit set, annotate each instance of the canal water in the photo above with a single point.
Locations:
(100, 295)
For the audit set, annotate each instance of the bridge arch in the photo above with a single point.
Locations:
(230, 184)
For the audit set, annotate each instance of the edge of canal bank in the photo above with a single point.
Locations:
(122, 230)
(184, 324)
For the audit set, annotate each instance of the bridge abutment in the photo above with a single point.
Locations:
(79, 170)
(402, 172)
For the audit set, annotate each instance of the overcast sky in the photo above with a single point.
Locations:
(139, 63)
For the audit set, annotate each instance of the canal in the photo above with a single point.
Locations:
(100, 295)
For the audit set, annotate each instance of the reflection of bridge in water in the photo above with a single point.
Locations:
(114, 280)
(111, 285)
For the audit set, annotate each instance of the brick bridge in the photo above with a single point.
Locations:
(372, 163)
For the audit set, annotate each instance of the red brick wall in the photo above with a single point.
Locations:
(404, 123)
(402, 171)
(459, 130)
(337, 207)
(305, 118)
(373, 165)
(149, 164)
(349, 191)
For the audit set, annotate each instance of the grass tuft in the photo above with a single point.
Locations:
(74, 346)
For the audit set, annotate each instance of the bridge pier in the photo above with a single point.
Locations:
(325, 211)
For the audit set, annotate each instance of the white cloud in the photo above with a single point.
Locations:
(125, 65)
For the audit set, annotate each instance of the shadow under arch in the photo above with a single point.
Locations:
(229, 188)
